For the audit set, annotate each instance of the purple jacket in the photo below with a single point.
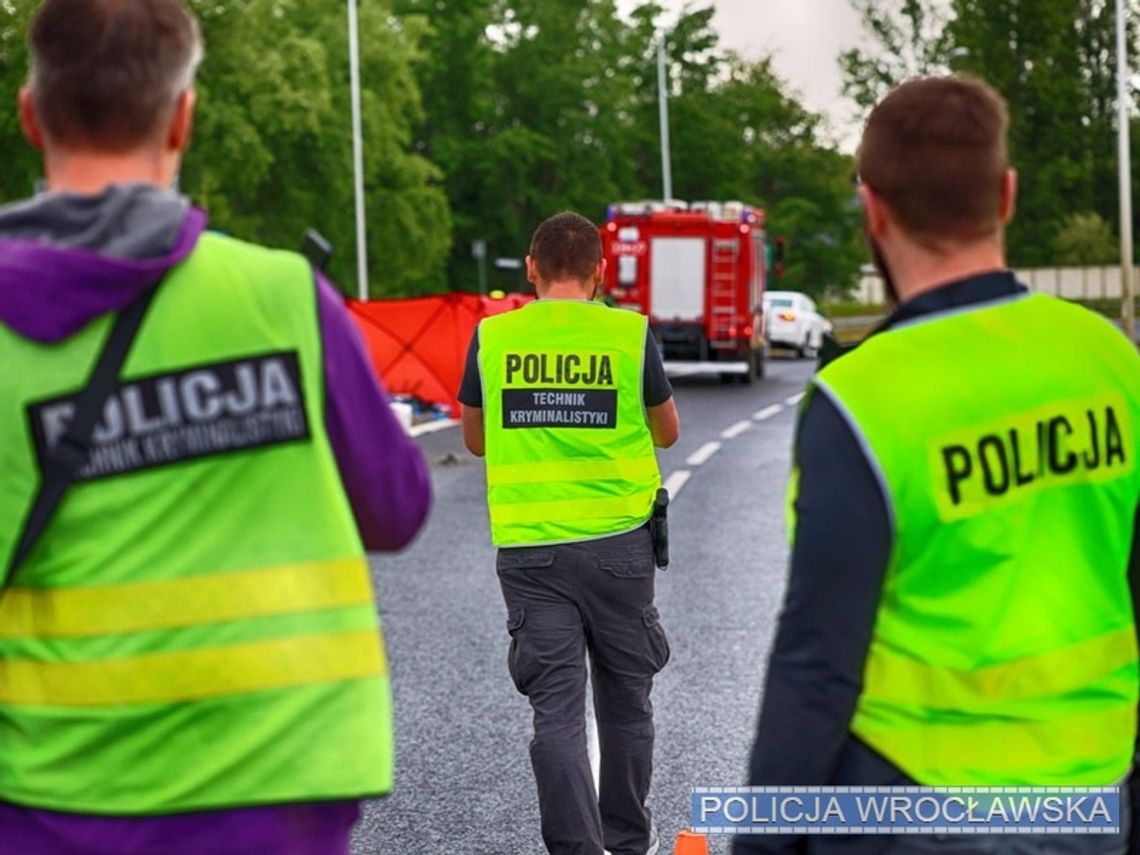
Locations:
(65, 260)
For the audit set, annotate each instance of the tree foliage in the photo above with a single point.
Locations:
(534, 106)
(1085, 239)
(482, 117)
(1052, 60)
(19, 165)
(273, 150)
(907, 40)
(271, 155)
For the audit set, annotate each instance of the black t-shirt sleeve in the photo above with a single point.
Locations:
(471, 387)
(839, 560)
(657, 388)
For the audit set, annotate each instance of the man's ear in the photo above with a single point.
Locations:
(1009, 188)
(182, 122)
(531, 271)
(600, 272)
(29, 121)
(874, 212)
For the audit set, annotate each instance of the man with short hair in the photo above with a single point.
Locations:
(567, 398)
(966, 493)
(190, 659)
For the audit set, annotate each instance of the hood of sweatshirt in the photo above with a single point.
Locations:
(67, 259)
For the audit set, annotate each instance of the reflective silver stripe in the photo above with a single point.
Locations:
(868, 452)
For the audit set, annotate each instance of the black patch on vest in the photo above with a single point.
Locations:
(560, 408)
(198, 412)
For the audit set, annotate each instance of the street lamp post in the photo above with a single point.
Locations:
(358, 151)
(1127, 268)
(663, 108)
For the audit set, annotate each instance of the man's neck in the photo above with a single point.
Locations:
(566, 290)
(920, 271)
(89, 174)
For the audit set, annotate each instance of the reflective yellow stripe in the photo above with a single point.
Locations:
(1090, 748)
(506, 474)
(570, 510)
(196, 674)
(899, 679)
(791, 495)
(113, 609)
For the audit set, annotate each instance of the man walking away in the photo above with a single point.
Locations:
(567, 397)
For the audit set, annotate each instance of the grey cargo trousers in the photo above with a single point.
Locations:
(563, 603)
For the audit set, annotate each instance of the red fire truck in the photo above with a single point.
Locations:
(699, 271)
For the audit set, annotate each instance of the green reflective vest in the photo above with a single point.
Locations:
(196, 629)
(569, 452)
(1004, 650)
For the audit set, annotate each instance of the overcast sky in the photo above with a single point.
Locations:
(804, 36)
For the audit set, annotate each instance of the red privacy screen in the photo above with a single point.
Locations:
(418, 346)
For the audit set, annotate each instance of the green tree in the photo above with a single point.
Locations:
(482, 118)
(908, 40)
(271, 154)
(454, 131)
(1029, 53)
(528, 111)
(21, 162)
(1085, 239)
(1053, 60)
(756, 142)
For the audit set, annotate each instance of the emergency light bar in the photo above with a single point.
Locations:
(644, 208)
(732, 211)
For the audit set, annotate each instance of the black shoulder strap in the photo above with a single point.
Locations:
(74, 447)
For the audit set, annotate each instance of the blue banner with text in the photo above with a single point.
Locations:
(906, 810)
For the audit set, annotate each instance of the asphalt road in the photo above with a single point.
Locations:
(464, 784)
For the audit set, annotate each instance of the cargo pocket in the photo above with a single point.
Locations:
(638, 567)
(520, 662)
(524, 559)
(656, 641)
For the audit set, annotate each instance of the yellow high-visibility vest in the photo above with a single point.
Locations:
(569, 452)
(196, 627)
(1004, 651)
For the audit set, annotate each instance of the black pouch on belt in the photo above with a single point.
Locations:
(659, 529)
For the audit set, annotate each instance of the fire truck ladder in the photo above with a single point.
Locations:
(722, 294)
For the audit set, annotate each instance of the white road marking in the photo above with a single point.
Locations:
(795, 399)
(433, 427)
(768, 412)
(737, 429)
(702, 454)
(593, 747)
(676, 482)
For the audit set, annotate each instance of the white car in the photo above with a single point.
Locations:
(791, 320)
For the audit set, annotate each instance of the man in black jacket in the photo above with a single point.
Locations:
(937, 192)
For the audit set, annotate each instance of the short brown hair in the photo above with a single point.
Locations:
(567, 246)
(105, 74)
(935, 150)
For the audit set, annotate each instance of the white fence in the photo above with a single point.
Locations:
(1072, 283)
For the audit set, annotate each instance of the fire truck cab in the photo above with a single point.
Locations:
(698, 271)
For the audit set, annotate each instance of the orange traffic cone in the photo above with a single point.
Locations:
(690, 843)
